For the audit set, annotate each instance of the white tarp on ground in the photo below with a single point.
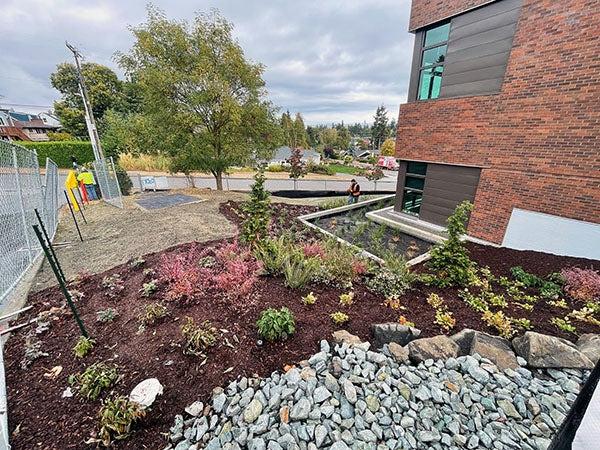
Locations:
(529, 230)
(587, 436)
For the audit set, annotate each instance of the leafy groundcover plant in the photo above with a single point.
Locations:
(274, 325)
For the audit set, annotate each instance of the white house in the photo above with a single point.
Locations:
(283, 154)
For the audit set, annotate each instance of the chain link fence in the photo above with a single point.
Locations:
(21, 192)
(106, 177)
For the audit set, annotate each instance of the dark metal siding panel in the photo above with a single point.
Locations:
(478, 49)
(400, 185)
(413, 86)
(445, 187)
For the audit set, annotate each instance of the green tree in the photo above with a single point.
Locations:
(344, 137)
(105, 91)
(329, 138)
(300, 136)
(388, 148)
(128, 133)
(379, 130)
(287, 129)
(313, 137)
(255, 228)
(206, 101)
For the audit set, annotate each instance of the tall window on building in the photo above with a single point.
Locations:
(414, 182)
(432, 61)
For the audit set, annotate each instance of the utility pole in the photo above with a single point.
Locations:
(89, 115)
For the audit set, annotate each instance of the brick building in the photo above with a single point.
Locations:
(504, 110)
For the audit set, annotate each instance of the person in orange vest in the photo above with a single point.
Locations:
(353, 192)
(87, 178)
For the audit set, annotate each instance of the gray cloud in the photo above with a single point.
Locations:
(331, 60)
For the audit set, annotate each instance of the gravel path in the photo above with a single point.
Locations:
(349, 397)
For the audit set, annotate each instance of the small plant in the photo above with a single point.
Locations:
(478, 303)
(547, 288)
(152, 313)
(444, 319)
(450, 262)
(136, 262)
(33, 350)
(309, 299)
(117, 415)
(524, 324)
(198, 339)
(207, 262)
(106, 315)
(392, 279)
(347, 299)
(339, 318)
(239, 273)
(563, 324)
(313, 250)
(582, 284)
(298, 270)
(497, 300)
(83, 346)
(585, 314)
(435, 301)
(276, 324)
(149, 272)
(404, 321)
(94, 379)
(500, 322)
(558, 303)
(394, 303)
(113, 285)
(149, 288)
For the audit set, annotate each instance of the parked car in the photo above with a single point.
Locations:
(387, 162)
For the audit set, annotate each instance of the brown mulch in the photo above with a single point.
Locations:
(41, 419)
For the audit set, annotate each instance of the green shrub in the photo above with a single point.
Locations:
(450, 262)
(198, 338)
(339, 317)
(83, 346)
(61, 151)
(272, 253)
(309, 299)
(255, 227)
(117, 415)
(276, 324)
(124, 180)
(106, 315)
(94, 379)
(149, 288)
(392, 279)
(298, 270)
(275, 168)
(550, 288)
(347, 299)
(152, 313)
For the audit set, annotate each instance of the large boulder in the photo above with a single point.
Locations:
(399, 353)
(543, 351)
(494, 348)
(345, 337)
(384, 333)
(589, 345)
(437, 347)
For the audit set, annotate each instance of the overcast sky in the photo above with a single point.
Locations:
(331, 60)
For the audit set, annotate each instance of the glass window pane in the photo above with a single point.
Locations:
(434, 55)
(437, 35)
(411, 202)
(418, 168)
(431, 83)
(414, 183)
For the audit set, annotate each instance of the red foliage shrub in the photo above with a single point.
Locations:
(182, 274)
(581, 284)
(314, 249)
(359, 267)
(239, 270)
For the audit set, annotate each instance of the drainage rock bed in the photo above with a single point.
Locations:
(349, 397)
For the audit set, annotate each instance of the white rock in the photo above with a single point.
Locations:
(145, 393)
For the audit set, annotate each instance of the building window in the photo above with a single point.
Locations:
(433, 55)
(414, 182)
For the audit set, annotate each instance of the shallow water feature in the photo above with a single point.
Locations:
(353, 226)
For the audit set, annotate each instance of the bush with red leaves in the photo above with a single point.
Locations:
(239, 270)
(581, 284)
(314, 249)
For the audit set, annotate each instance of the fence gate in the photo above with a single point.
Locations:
(106, 177)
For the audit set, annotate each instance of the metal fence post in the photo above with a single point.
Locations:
(22, 204)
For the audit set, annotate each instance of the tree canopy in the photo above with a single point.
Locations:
(105, 92)
(206, 101)
(379, 130)
(389, 147)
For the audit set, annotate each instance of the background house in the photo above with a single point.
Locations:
(501, 113)
(283, 154)
(19, 126)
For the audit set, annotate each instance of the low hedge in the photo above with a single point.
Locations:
(61, 151)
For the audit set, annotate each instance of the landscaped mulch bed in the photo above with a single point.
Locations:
(41, 419)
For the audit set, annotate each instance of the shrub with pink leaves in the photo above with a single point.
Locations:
(359, 267)
(313, 250)
(238, 271)
(581, 284)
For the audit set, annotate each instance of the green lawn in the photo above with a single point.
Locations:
(340, 168)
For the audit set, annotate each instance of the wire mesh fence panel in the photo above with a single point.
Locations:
(21, 192)
(51, 197)
(106, 177)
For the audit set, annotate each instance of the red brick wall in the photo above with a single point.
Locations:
(425, 12)
(538, 141)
